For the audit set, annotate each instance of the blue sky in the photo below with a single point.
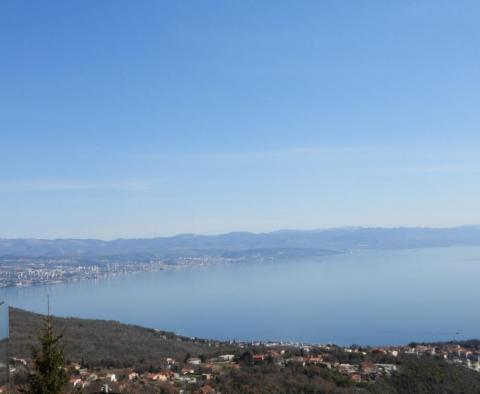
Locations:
(133, 119)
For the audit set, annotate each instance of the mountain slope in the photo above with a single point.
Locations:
(330, 240)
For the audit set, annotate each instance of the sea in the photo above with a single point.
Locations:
(365, 297)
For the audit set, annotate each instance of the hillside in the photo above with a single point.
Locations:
(106, 343)
(103, 345)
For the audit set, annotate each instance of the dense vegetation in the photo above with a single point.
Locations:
(430, 375)
(107, 343)
(416, 376)
(266, 379)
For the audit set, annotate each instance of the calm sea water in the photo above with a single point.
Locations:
(368, 297)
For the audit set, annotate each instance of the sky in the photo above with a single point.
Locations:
(141, 119)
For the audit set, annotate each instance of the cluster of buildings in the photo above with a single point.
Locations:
(325, 356)
(16, 272)
(451, 352)
(199, 374)
(176, 377)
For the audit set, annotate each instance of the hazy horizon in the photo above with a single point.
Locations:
(313, 229)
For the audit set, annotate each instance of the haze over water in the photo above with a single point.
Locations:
(366, 297)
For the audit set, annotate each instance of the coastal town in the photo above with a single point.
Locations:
(346, 366)
(18, 272)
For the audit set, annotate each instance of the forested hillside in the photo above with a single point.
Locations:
(107, 343)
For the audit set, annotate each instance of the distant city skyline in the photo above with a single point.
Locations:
(131, 120)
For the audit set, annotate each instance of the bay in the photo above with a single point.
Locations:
(365, 297)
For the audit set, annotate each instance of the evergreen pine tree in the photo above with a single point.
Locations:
(48, 377)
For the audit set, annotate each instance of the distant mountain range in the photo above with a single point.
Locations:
(295, 242)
